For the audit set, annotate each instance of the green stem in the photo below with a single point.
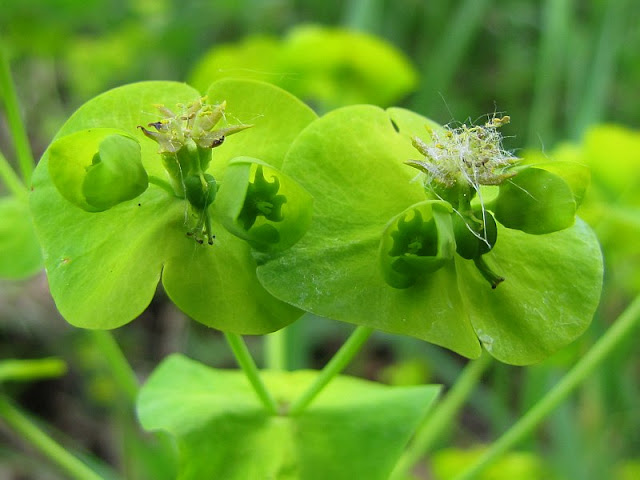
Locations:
(17, 420)
(24, 370)
(248, 366)
(601, 75)
(339, 361)
(121, 370)
(276, 350)
(20, 139)
(621, 329)
(127, 382)
(11, 180)
(363, 15)
(441, 417)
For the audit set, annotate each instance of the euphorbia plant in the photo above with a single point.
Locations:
(137, 195)
(362, 215)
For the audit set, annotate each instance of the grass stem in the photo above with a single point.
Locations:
(16, 126)
(617, 333)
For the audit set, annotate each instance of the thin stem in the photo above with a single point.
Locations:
(621, 329)
(31, 369)
(441, 417)
(127, 382)
(248, 366)
(11, 180)
(363, 15)
(276, 350)
(17, 420)
(600, 77)
(121, 370)
(339, 361)
(20, 139)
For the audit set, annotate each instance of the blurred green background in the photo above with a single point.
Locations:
(566, 71)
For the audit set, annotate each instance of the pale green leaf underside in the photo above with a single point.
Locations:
(354, 429)
(359, 182)
(103, 268)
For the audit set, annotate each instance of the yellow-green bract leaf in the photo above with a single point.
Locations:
(551, 290)
(97, 168)
(20, 254)
(576, 175)
(612, 204)
(116, 174)
(262, 205)
(354, 429)
(535, 201)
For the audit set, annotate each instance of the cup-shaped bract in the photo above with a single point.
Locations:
(263, 206)
(416, 242)
(98, 168)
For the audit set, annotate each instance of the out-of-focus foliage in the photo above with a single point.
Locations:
(446, 464)
(473, 57)
(628, 471)
(328, 67)
(217, 421)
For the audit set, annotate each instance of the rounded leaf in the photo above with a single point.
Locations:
(535, 201)
(98, 168)
(550, 292)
